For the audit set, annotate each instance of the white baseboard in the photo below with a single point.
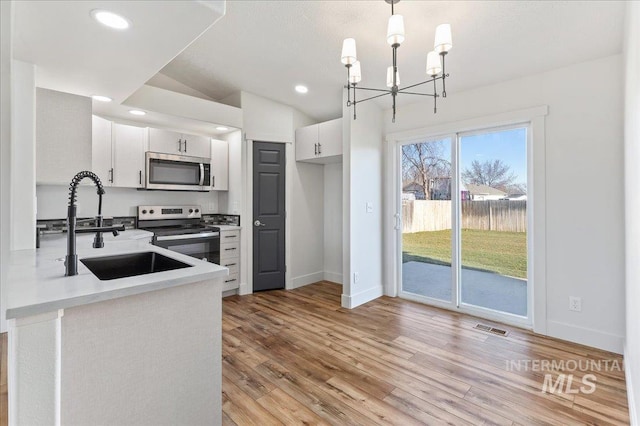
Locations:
(244, 289)
(334, 277)
(586, 336)
(358, 299)
(631, 394)
(306, 279)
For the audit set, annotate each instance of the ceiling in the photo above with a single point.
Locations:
(75, 54)
(267, 47)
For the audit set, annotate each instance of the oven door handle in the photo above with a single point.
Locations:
(188, 236)
(201, 174)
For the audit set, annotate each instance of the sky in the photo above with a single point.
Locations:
(509, 146)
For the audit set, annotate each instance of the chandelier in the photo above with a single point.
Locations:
(395, 36)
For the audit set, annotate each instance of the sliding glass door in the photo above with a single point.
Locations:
(464, 221)
(426, 219)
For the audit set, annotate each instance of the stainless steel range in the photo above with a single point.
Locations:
(180, 228)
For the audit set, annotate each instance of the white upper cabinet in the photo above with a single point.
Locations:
(320, 143)
(170, 142)
(330, 138)
(306, 142)
(220, 165)
(128, 156)
(118, 153)
(101, 152)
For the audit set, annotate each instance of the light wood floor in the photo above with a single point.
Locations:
(296, 357)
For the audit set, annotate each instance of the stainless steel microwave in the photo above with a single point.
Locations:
(177, 172)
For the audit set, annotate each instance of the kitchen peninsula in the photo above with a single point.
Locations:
(143, 349)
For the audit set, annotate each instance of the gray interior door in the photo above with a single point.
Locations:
(268, 215)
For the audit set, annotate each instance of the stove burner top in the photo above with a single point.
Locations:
(181, 229)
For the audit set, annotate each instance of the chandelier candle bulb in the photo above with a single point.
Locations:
(356, 74)
(433, 63)
(443, 41)
(395, 30)
(390, 77)
(349, 51)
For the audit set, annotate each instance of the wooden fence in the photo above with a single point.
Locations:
(493, 215)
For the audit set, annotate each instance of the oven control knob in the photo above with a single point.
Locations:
(197, 210)
(151, 211)
(190, 210)
(144, 212)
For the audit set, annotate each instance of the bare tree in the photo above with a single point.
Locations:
(424, 162)
(495, 174)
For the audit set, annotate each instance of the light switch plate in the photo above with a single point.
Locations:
(369, 207)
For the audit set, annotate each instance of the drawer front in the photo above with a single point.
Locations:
(231, 282)
(229, 237)
(232, 263)
(228, 250)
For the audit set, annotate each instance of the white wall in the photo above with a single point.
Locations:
(23, 162)
(362, 160)
(266, 120)
(632, 208)
(53, 200)
(306, 215)
(270, 121)
(584, 234)
(333, 222)
(6, 15)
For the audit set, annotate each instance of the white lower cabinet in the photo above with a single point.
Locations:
(230, 257)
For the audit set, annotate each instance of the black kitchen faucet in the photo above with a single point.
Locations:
(71, 260)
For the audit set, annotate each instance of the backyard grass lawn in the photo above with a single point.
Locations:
(501, 252)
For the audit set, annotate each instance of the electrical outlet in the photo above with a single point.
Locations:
(356, 277)
(212, 207)
(575, 303)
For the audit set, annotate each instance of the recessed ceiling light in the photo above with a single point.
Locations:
(110, 19)
(301, 89)
(222, 128)
(137, 112)
(101, 98)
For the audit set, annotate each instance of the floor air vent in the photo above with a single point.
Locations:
(490, 329)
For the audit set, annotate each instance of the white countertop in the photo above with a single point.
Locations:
(228, 227)
(36, 283)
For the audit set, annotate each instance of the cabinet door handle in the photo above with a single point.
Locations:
(315, 149)
(319, 148)
(179, 145)
(230, 281)
(229, 249)
(111, 175)
(230, 264)
(213, 183)
(140, 177)
(185, 145)
(230, 236)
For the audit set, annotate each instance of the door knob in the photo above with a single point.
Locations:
(258, 223)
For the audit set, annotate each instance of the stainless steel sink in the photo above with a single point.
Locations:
(132, 264)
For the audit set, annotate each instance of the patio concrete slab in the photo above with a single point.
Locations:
(486, 289)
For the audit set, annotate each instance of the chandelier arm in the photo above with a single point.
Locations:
(435, 98)
(374, 90)
(416, 93)
(372, 97)
(419, 84)
(444, 88)
(348, 86)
